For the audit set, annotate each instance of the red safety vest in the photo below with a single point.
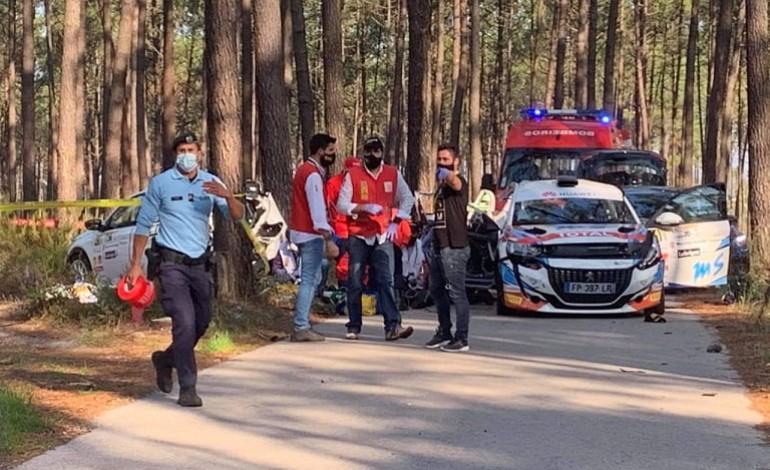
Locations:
(301, 219)
(367, 190)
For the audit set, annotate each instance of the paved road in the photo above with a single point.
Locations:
(539, 394)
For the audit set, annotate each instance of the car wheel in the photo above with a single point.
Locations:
(79, 265)
(502, 309)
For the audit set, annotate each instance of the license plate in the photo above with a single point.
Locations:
(589, 288)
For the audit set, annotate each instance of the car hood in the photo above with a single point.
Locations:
(575, 234)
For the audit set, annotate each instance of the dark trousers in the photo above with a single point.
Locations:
(379, 257)
(447, 284)
(185, 295)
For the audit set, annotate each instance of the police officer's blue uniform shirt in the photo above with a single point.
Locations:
(183, 209)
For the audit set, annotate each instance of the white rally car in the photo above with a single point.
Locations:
(577, 246)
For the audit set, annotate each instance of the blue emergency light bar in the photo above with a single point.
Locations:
(538, 113)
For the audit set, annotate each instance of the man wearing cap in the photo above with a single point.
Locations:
(310, 229)
(180, 200)
(368, 195)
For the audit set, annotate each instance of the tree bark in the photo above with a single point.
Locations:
(305, 98)
(684, 176)
(724, 161)
(561, 52)
(168, 103)
(550, 79)
(438, 78)
(28, 148)
(140, 97)
(461, 84)
(608, 96)
(111, 172)
(581, 56)
(224, 138)
(69, 106)
(392, 145)
(419, 164)
(247, 88)
(716, 105)
(11, 117)
(758, 61)
(474, 105)
(53, 127)
(593, 19)
(274, 148)
(640, 94)
(331, 13)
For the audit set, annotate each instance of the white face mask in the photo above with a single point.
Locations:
(187, 162)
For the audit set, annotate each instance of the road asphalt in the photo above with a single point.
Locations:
(532, 394)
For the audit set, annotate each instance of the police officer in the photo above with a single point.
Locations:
(181, 200)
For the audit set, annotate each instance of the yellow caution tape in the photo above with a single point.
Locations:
(95, 203)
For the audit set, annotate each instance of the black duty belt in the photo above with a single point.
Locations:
(173, 256)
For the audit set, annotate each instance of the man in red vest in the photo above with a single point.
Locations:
(340, 221)
(310, 229)
(369, 194)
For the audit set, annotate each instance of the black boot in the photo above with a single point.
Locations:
(163, 376)
(188, 397)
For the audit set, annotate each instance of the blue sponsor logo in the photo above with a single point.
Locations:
(705, 269)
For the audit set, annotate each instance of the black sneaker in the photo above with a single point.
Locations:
(458, 345)
(399, 332)
(352, 334)
(439, 339)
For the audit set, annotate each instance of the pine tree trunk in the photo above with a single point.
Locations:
(419, 164)
(169, 85)
(640, 93)
(393, 151)
(474, 105)
(498, 108)
(550, 79)
(111, 174)
(716, 105)
(140, 98)
(593, 19)
(82, 118)
(331, 13)
(28, 148)
(581, 56)
(224, 138)
(69, 106)
(726, 140)
(305, 98)
(608, 96)
(674, 150)
(274, 146)
(684, 176)
(461, 84)
(247, 88)
(758, 61)
(438, 78)
(561, 53)
(11, 116)
(53, 127)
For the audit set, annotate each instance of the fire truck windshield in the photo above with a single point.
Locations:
(537, 164)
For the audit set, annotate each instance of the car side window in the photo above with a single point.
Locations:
(123, 217)
(703, 204)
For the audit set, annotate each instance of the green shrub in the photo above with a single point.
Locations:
(32, 258)
(220, 341)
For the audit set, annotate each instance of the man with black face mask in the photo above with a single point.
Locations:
(448, 258)
(369, 196)
(310, 229)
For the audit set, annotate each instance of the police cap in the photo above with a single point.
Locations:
(184, 138)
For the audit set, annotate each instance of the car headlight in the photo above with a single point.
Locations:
(651, 258)
(524, 250)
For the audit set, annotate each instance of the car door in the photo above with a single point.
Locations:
(694, 234)
(118, 237)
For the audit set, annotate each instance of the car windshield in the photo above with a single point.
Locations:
(572, 211)
(640, 170)
(532, 165)
(646, 203)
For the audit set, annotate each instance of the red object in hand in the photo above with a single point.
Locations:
(141, 294)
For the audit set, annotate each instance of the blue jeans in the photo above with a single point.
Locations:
(380, 259)
(447, 283)
(311, 254)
